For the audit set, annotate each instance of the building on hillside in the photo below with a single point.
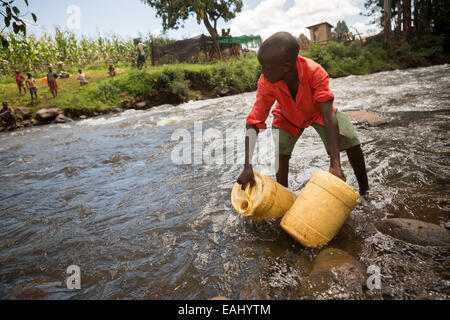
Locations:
(320, 32)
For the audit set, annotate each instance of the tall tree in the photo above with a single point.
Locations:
(175, 12)
(387, 23)
(406, 19)
(10, 12)
(398, 29)
(340, 29)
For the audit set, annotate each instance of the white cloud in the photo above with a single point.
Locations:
(271, 16)
(364, 28)
(157, 33)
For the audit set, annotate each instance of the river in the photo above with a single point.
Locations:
(106, 194)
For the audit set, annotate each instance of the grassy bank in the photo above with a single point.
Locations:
(172, 84)
(341, 59)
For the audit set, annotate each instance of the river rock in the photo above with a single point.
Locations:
(24, 112)
(62, 119)
(219, 298)
(123, 94)
(46, 115)
(126, 104)
(82, 117)
(116, 110)
(415, 231)
(365, 117)
(140, 105)
(336, 268)
(224, 92)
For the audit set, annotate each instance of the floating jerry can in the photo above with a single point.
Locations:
(266, 199)
(320, 210)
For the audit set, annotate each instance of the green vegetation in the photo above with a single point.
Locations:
(171, 84)
(177, 83)
(165, 84)
(35, 54)
(341, 59)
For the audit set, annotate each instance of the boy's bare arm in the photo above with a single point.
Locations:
(246, 176)
(332, 133)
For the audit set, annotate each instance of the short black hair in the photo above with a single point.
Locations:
(280, 47)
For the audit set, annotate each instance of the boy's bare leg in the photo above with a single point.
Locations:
(356, 158)
(283, 169)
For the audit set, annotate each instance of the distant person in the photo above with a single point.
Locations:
(51, 80)
(19, 80)
(82, 78)
(7, 115)
(141, 54)
(31, 86)
(111, 71)
(301, 89)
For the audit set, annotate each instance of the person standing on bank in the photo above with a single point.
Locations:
(141, 54)
(51, 80)
(301, 88)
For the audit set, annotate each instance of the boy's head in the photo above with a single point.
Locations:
(278, 55)
(29, 75)
(4, 105)
(17, 72)
(79, 71)
(50, 68)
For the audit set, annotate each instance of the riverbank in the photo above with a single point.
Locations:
(135, 89)
(178, 83)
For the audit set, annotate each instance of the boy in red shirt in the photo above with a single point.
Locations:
(19, 80)
(301, 88)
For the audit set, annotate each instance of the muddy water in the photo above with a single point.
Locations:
(105, 194)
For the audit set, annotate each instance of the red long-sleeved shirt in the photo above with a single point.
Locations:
(289, 115)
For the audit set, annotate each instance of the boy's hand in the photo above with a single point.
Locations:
(337, 171)
(246, 176)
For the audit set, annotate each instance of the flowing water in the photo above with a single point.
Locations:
(106, 194)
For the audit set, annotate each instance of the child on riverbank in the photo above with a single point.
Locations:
(82, 78)
(51, 80)
(111, 71)
(141, 54)
(7, 118)
(301, 88)
(31, 85)
(19, 81)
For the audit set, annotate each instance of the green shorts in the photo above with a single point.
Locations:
(347, 135)
(141, 58)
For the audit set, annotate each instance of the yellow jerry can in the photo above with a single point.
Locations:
(266, 199)
(320, 210)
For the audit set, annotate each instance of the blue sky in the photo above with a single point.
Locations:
(132, 18)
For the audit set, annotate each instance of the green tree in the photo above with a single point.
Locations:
(11, 13)
(428, 17)
(175, 12)
(340, 29)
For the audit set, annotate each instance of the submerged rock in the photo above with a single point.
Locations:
(117, 110)
(365, 117)
(219, 298)
(415, 231)
(335, 268)
(46, 115)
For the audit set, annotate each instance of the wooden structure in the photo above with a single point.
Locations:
(320, 32)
